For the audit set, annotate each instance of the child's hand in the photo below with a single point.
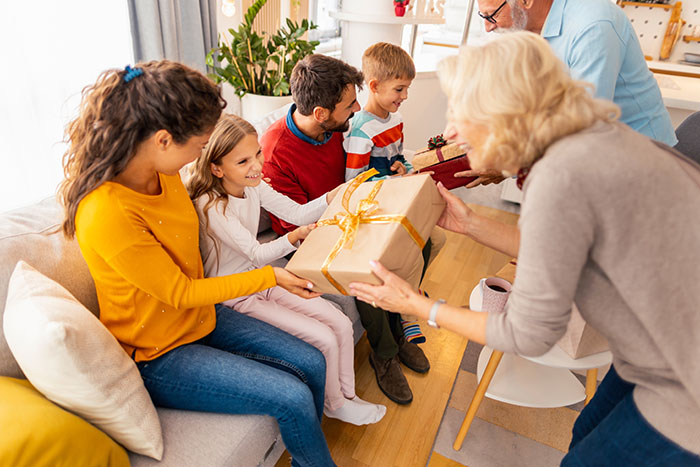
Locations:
(300, 233)
(399, 168)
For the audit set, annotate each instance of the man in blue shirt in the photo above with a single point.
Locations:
(596, 41)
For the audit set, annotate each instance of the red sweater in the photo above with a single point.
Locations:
(300, 169)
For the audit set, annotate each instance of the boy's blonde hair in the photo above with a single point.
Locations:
(383, 61)
(517, 88)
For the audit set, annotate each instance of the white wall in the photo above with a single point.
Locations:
(49, 51)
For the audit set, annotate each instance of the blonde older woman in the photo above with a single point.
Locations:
(609, 220)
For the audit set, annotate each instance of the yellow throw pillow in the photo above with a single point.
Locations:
(73, 360)
(36, 432)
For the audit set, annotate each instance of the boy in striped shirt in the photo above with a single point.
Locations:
(375, 138)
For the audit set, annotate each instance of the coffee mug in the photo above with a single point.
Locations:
(494, 291)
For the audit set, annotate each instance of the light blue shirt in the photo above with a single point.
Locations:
(596, 41)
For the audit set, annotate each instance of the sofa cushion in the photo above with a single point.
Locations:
(211, 439)
(31, 234)
(71, 358)
(44, 434)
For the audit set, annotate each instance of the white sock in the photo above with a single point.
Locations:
(357, 412)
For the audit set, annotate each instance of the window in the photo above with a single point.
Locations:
(50, 51)
(328, 32)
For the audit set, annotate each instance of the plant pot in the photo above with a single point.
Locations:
(254, 107)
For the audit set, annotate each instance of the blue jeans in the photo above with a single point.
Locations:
(246, 366)
(611, 432)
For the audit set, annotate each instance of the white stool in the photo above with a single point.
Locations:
(543, 381)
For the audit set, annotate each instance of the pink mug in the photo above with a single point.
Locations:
(495, 293)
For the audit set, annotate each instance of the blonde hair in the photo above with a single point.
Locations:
(228, 132)
(517, 88)
(383, 61)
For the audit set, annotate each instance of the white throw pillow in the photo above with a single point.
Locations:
(71, 358)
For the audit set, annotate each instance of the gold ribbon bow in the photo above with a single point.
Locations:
(349, 222)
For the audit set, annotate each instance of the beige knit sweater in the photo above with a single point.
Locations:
(611, 221)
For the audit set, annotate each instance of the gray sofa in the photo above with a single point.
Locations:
(190, 438)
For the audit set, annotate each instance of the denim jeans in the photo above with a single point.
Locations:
(611, 432)
(246, 366)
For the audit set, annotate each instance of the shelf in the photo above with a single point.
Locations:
(665, 6)
(674, 68)
(363, 18)
(691, 38)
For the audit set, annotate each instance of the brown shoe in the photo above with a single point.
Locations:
(390, 379)
(412, 356)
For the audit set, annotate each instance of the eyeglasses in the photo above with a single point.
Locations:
(491, 18)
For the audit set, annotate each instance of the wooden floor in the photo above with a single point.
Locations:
(404, 437)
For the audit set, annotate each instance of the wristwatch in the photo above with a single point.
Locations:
(433, 313)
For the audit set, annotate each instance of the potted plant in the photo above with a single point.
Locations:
(258, 67)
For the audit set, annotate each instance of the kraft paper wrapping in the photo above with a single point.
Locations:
(580, 339)
(414, 196)
(427, 157)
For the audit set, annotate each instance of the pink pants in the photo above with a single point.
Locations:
(315, 321)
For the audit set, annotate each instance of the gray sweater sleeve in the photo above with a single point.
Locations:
(557, 228)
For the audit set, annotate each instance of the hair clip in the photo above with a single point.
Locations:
(132, 73)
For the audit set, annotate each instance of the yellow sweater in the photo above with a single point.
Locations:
(143, 254)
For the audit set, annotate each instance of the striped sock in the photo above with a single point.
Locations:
(412, 332)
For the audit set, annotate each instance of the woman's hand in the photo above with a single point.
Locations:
(394, 295)
(456, 216)
(294, 284)
(300, 233)
(484, 177)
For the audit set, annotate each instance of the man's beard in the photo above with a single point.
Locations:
(518, 15)
(334, 126)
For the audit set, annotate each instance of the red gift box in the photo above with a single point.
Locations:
(444, 172)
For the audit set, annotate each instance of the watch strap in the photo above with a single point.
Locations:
(432, 315)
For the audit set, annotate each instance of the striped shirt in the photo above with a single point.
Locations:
(374, 143)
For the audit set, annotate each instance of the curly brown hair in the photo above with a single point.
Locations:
(116, 116)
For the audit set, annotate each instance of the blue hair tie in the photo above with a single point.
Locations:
(132, 73)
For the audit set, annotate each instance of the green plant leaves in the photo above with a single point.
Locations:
(260, 64)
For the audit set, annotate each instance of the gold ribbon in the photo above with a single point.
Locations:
(349, 222)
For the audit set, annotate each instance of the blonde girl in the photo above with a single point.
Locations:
(228, 191)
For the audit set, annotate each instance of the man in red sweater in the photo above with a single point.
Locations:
(304, 158)
(304, 155)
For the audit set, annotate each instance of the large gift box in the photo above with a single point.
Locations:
(387, 220)
(580, 339)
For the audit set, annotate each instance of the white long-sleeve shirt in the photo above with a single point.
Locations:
(236, 228)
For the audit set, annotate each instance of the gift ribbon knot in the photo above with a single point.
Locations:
(349, 222)
(437, 142)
